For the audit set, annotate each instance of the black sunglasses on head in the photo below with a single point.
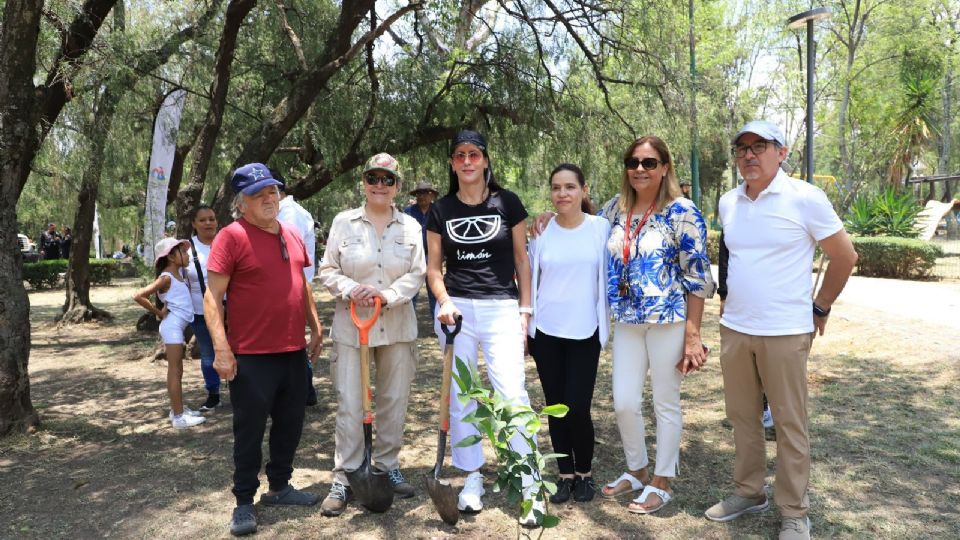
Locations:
(648, 164)
(373, 179)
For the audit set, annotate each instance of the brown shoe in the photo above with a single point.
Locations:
(336, 500)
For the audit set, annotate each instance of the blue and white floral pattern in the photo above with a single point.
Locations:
(668, 259)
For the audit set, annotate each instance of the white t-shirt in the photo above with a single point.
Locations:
(203, 251)
(771, 242)
(301, 220)
(567, 291)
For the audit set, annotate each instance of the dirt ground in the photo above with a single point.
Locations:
(885, 390)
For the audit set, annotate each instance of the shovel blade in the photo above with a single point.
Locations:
(444, 497)
(372, 488)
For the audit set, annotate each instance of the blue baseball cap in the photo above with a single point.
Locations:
(251, 178)
(762, 128)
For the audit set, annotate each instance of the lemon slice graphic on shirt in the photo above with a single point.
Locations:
(473, 230)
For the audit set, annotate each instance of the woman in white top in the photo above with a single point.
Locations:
(205, 228)
(570, 323)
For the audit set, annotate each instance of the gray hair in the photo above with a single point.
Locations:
(236, 206)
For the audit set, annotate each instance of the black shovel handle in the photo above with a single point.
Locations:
(451, 334)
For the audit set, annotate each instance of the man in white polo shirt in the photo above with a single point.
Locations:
(771, 226)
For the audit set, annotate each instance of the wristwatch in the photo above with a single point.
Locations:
(819, 311)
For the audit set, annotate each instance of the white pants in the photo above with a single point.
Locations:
(636, 349)
(171, 329)
(494, 326)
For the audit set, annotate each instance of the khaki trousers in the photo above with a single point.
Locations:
(777, 366)
(393, 369)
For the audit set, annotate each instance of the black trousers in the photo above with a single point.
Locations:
(274, 386)
(568, 372)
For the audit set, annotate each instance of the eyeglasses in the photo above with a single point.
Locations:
(461, 157)
(373, 179)
(757, 148)
(648, 164)
(283, 246)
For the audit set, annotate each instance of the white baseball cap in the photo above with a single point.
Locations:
(763, 128)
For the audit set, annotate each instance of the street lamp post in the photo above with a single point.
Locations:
(807, 18)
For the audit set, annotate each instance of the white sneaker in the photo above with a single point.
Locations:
(187, 411)
(767, 418)
(182, 421)
(469, 499)
(530, 519)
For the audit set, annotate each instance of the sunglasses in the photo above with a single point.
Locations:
(460, 157)
(648, 164)
(373, 179)
(283, 246)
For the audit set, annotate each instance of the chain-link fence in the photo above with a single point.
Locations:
(948, 266)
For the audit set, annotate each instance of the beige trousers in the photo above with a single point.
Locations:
(777, 366)
(393, 368)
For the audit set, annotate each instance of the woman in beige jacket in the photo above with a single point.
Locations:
(374, 251)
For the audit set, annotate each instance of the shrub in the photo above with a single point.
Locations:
(900, 258)
(44, 274)
(887, 213)
(102, 270)
(713, 246)
(49, 274)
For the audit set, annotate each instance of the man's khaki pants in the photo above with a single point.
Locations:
(393, 370)
(777, 366)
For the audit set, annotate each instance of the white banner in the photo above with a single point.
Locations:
(161, 162)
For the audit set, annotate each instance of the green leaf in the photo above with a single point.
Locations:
(549, 521)
(557, 410)
(525, 507)
(549, 486)
(469, 440)
(553, 456)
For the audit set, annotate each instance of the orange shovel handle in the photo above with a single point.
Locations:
(363, 325)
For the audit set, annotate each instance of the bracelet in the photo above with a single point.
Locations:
(819, 311)
(526, 309)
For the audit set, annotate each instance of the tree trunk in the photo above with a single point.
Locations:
(22, 107)
(18, 145)
(845, 162)
(946, 140)
(189, 196)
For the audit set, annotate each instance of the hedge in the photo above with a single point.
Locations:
(49, 274)
(880, 256)
(713, 246)
(899, 258)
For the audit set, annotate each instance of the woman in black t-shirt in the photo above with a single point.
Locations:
(478, 230)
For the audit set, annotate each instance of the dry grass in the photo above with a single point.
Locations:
(885, 434)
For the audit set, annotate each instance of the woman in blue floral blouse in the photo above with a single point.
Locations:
(658, 276)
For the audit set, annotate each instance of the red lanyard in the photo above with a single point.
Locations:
(627, 236)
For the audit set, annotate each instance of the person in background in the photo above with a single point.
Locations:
(205, 227)
(570, 323)
(66, 243)
(374, 251)
(258, 263)
(301, 221)
(685, 189)
(425, 195)
(772, 224)
(50, 243)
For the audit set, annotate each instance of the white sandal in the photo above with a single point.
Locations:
(647, 491)
(635, 485)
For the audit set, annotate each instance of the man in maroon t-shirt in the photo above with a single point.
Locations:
(259, 264)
